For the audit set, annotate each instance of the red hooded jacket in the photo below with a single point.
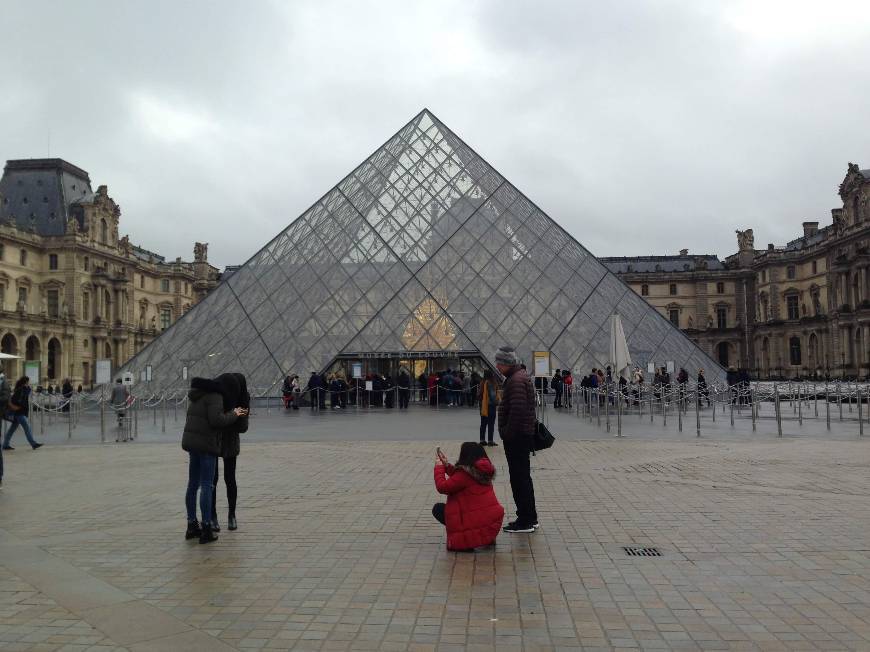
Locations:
(473, 514)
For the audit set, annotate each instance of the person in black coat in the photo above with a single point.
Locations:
(315, 391)
(404, 382)
(205, 421)
(234, 390)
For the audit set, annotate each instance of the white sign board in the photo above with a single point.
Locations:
(104, 372)
(542, 364)
(356, 370)
(651, 367)
(369, 385)
(184, 372)
(670, 366)
(148, 376)
(31, 370)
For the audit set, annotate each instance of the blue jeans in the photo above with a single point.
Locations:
(200, 476)
(19, 419)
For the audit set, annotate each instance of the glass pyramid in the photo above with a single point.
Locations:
(423, 248)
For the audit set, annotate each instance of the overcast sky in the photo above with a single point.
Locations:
(641, 127)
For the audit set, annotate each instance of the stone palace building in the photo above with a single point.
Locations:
(798, 310)
(71, 290)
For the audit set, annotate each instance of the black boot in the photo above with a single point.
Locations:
(193, 530)
(215, 526)
(231, 521)
(208, 534)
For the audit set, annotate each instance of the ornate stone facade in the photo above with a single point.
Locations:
(71, 290)
(800, 310)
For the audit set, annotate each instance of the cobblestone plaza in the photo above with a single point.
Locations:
(764, 543)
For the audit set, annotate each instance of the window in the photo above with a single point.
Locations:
(22, 257)
(52, 261)
(86, 305)
(791, 302)
(86, 263)
(815, 267)
(177, 287)
(720, 288)
(673, 289)
(142, 281)
(165, 318)
(794, 351)
(53, 303)
(721, 317)
(817, 304)
(674, 316)
(22, 295)
(164, 285)
(104, 232)
(790, 272)
(2, 251)
(764, 276)
(644, 290)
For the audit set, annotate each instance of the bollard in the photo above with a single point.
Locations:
(698, 413)
(732, 412)
(42, 416)
(598, 405)
(827, 407)
(135, 418)
(860, 411)
(753, 407)
(174, 408)
(607, 405)
(778, 410)
(619, 417)
(69, 421)
(154, 411)
(664, 410)
(680, 418)
(163, 414)
(815, 400)
(840, 399)
(652, 405)
(849, 394)
(103, 416)
(800, 406)
(715, 394)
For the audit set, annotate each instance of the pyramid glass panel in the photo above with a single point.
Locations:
(424, 249)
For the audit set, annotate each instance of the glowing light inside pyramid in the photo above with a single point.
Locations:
(429, 329)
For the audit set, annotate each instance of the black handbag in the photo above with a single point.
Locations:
(543, 438)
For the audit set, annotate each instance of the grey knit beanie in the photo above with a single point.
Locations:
(506, 356)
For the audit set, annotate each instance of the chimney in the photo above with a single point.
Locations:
(770, 246)
(684, 252)
(810, 228)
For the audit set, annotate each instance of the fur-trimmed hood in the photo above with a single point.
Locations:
(483, 471)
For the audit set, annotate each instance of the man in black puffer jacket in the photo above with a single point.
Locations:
(205, 421)
(234, 389)
(516, 427)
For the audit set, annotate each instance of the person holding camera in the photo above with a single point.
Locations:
(472, 513)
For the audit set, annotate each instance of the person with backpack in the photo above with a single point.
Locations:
(556, 384)
(472, 514)
(19, 407)
(234, 391)
(205, 421)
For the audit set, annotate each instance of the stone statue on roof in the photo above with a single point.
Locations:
(745, 240)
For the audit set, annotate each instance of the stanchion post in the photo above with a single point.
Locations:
(163, 414)
(135, 417)
(103, 414)
(827, 407)
(800, 405)
(69, 420)
(778, 410)
(619, 415)
(860, 411)
(840, 399)
(607, 406)
(42, 415)
(753, 406)
(698, 413)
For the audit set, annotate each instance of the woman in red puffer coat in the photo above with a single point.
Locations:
(473, 515)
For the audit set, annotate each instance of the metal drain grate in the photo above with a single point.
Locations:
(635, 551)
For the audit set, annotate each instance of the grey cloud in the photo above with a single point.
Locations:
(641, 127)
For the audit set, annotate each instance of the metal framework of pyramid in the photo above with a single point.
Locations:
(424, 247)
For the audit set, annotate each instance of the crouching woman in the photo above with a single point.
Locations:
(472, 515)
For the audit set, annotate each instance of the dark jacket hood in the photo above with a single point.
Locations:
(199, 387)
(229, 389)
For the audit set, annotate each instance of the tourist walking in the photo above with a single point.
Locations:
(516, 427)
(67, 390)
(488, 395)
(702, 388)
(19, 408)
(120, 397)
(234, 391)
(472, 514)
(315, 391)
(205, 421)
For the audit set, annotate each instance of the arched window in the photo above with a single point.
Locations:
(644, 290)
(104, 231)
(32, 349)
(794, 350)
(53, 358)
(10, 345)
(722, 353)
(813, 351)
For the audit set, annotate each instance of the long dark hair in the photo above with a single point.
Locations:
(470, 452)
(21, 382)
